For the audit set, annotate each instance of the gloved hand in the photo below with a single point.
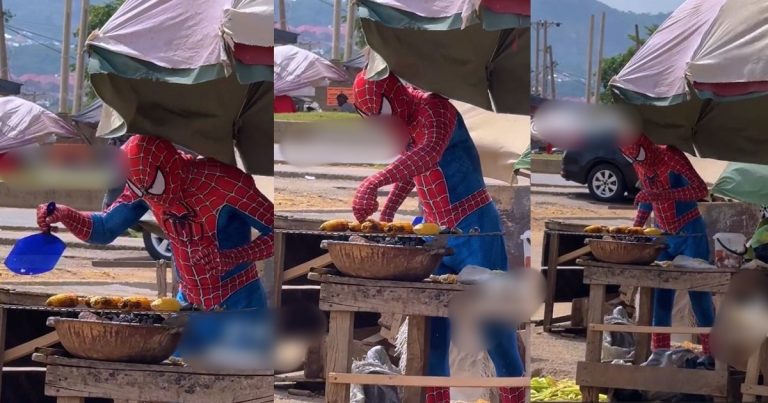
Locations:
(643, 197)
(365, 202)
(60, 214)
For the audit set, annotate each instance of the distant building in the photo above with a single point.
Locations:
(9, 88)
(283, 37)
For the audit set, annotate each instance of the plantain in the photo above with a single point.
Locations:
(136, 304)
(335, 226)
(636, 230)
(594, 229)
(399, 227)
(104, 302)
(621, 230)
(371, 226)
(166, 305)
(355, 226)
(427, 228)
(652, 232)
(63, 301)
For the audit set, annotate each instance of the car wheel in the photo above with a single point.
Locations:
(157, 247)
(606, 183)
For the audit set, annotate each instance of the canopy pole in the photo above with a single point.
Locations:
(64, 80)
(350, 32)
(82, 34)
(281, 14)
(599, 72)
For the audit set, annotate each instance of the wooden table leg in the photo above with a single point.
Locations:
(3, 322)
(549, 301)
(279, 267)
(339, 354)
(752, 375)
(644, 317)
(594, 347)
(416, 354)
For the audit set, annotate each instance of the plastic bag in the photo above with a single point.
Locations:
(376, 362)
(618, 345)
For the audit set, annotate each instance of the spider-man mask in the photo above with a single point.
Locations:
(382, 98)
(154, 169)
(642, 152)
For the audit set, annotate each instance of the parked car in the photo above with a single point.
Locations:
(609, 176)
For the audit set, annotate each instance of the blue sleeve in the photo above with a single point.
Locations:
(109, 225)
(263, 229)
(647, 207)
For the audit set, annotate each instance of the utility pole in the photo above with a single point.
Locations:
(545, 82)
(64, 81)
(80, 64)
(4, 73)
(589, 58)
(637, 38)
(599, 72)
(350, 33)
(536, 88)
(335, 54)
(281, 14)
(552, 71)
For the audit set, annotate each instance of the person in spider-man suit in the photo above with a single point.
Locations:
(442, 163)
(671, 189)
(206, 209)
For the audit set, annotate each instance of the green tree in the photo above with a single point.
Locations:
(613, 65)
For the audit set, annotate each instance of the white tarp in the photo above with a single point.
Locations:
(435, 8)
(296, 68)
(733, 50)
(184, 34)
(24, 123)
(658, 68)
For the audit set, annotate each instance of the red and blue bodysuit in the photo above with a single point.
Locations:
(671, 189)
(206, 209)
(442, 163)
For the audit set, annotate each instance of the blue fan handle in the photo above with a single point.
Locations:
(50, 209)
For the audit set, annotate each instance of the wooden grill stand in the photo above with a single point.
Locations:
(756, 365)
(343, 296)
(592, 374)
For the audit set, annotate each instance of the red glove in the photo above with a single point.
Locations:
(78, 223)
(365, 202)
(643, 197)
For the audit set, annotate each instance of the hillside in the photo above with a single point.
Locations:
(570, 40)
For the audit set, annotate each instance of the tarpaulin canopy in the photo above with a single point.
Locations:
(296, 68)
(470, 51)
(197, 72)
(24, 123)
(700, 79)
(89, 116)
(744, 182)
(500, 139)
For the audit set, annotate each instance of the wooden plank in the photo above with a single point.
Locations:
(564, 226)
(338, 357)
(283, 221)
(426, 381)
(416, 354)
(70, 399)
(650, 329)
(158, 368)
(161, 272)
(659, 379)
(29, 347)
(594, 347)
(404, 301)
(588, 262)
(3, 330)
(752, 391)
(156, 386)
(549, 300)
(752, 376)
(329, 278)
(657, 277)
(278, 257)
(644, 317)
(573, 255)
(26, 298)
(124, 263)
(304, 268)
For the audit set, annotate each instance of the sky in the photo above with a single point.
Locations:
(644, 6)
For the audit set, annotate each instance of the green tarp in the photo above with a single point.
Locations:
(744, 182)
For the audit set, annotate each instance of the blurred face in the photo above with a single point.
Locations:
(386, 100)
